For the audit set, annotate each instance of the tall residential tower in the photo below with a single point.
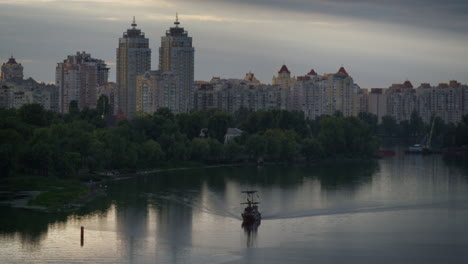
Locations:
(176, 55)
(78, 78)
(133, 58)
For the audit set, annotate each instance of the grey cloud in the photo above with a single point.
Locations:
(47, 35)
(443, 15)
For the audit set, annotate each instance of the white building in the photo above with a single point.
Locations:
(444, 101)
(308, 95)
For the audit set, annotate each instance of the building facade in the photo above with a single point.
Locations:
(16, 91)
(363, 100)
(444, 101)
(110, 90)
(78, 78)
(11, 71)
(308, 94)
(177, 55)
(283, 79)
(156, 89)
(377, 103)
(316, 95)
(341, 94)
(133, 58)
(449, 101)
(230, 95)
(401, 101)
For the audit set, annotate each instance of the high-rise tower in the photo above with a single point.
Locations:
(133, 58)
(78, 78)
(176, 54)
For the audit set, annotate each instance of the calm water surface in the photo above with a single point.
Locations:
(405, 209)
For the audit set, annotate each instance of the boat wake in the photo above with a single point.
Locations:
(444, 205)
(214, 204)
(211, 204)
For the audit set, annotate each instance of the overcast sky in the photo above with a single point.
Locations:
(379, 42)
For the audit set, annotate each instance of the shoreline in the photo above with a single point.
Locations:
(98, 188)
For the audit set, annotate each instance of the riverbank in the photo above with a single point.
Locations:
(52, 194)
(39, 193)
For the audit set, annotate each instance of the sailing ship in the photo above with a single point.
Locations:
(251, 216)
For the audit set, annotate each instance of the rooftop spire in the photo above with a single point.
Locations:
(134, 23)
(342, 71)
(176, 20)
(284, 68)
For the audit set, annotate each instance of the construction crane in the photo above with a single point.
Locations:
(424, 147)
(428, 142)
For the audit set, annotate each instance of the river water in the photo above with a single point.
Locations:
(402, 209)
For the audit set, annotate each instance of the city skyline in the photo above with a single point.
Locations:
(233, 38)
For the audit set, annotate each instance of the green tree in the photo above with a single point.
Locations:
(311, 149)
(218, 125)
(33, 114)
(103, 107)
(10, 142)
(165, 113)
(216, 150)
(416, 124)
(233, 151)
(66, 164)
(256, 146)
(73, 108)
(150, 154)
(404, 128)
(389, 125)
(332, 136)
(241, 115)
(191, 124)
(370, 119)
(200, 149)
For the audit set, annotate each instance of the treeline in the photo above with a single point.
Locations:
(35, 141)
(443, 135)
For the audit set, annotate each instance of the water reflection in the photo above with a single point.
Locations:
(174, 196)
(174, 227)
(32, 226)
(180, 216)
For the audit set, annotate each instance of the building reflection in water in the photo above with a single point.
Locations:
(174, 226)
(154, 215)
(131, 223)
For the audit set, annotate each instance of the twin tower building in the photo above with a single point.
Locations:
(143, 90)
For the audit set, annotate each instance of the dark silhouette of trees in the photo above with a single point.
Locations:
(35, 141)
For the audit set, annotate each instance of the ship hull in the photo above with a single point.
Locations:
(251, 218)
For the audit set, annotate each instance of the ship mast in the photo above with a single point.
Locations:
(250, 197)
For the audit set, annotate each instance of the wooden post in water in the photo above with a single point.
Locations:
(82, 236)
